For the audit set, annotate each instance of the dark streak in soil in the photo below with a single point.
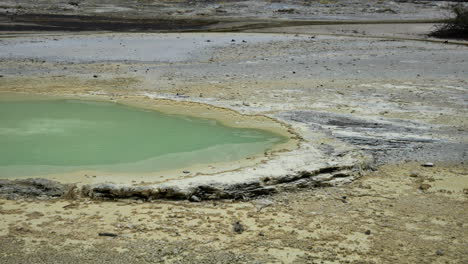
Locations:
(50, 22)
(65, 22)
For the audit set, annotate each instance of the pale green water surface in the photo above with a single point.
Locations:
(55, 136)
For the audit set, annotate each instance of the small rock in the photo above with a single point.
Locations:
(414, 174)
(424, 187)
(186, 172)
(428, 164)
(195, 198)
(440, 252)
(238, 227)
(108, 234)
(261, 234)
(368, 232)
(95, 76)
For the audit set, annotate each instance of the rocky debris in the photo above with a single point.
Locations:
(13, 189)
(327, 176)
(440, 252)
(234, 191)
(72, 192)
(428, 164)
(116, 191)
(368, 232)
(195, 192)
(414, 174)
(237, 227)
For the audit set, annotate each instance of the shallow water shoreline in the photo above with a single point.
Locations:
(224, 116)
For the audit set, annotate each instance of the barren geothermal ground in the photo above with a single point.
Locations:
(375, 170)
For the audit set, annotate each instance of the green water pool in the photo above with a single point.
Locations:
(55, 136)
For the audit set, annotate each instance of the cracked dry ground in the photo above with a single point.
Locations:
(401, 213)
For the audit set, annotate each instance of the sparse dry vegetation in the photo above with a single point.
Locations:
(455, 27)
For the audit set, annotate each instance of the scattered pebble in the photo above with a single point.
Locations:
(368, 232)
(108, 234)
(238, 228)
(428, 164)
(440, 252)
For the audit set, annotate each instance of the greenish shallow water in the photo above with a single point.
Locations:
(56, 136)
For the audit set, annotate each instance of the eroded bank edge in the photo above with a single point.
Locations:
(48, 189)
(319, 175)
